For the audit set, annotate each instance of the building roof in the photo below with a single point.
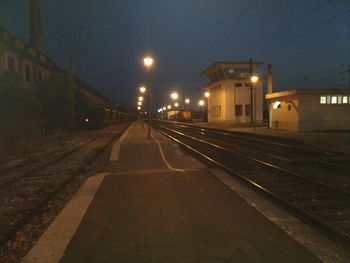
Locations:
(286, 93)
(219, 64)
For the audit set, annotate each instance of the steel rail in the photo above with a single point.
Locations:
(264, 163)
(306, 216)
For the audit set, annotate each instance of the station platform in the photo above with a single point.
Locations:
(154, 203)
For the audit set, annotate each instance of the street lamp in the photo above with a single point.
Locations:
(142, 89)
(148, 62)
(140, 98)
(187, 101)
(254, 79)
(174, 95)
(139, 103)
(176, 104)
(169, 107)
(207, 94)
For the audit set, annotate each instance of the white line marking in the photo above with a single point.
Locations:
(163, 157)
(115, 153)
(51, 245)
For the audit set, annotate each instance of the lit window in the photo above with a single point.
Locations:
(277, 105)
(328, 99)
(339, 99)
(323, 100)
(345, 99)
(334, 100)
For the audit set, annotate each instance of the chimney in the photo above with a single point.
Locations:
(269, 79)
(36, 39)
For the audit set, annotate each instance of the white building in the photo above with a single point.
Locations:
(310, 109)
(231, 93)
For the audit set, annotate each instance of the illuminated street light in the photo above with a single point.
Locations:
(254, 79)
(187, 101)
(201, 103)
(169, 107)
(139, 108)
(176, 104)
(207, 94)
(139, 103)
(174, 96)
(164, 108)
(142, 89)
(148, 62)
(140, 98)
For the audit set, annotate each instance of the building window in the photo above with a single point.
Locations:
(219, 114)
(28, 76)
(11, 64)
(246, 85)
(238, 84)
(238, 110)
(334, 100)
(345, 99)
(323, 100)
(247, 110)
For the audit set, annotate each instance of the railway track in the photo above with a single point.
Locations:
(325, 207)
(28, 195)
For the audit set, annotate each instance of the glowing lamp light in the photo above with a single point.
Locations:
(148, 61)
(139, 108)
(277, 105)
(164, 108)
(169, 107)
(201, 102)
(176, 104)
(207, 94)
(140, 98)
(142, 89)
(86, 120)
(187, 101)
(254, 79)
(139, 103)
(174, 95)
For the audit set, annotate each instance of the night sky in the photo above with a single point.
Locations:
(307, 42)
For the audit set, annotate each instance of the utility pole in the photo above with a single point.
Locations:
(251, 90)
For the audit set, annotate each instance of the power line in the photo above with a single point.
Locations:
(306, 32)
(300, 18)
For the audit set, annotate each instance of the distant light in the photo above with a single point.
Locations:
(139, 103)
(176, 104)
(164, 108)
(277, 105)
(139, 108)
(207, 94)
(169, 107)
(254, 79)
(142, 89)
(187, 101)
(140, 98)
(201, 102)
(148, 61)
(174, 95)
(86, 119)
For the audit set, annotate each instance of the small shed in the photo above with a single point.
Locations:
(309, 109)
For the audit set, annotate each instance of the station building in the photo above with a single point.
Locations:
(232, 93)
(310, 109)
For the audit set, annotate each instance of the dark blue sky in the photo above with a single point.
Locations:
(307, 42)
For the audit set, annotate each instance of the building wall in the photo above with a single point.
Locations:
(316, 116)
(225, 95)
(285, 117)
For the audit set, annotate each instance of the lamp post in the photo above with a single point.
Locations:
(254, 79)
(207, 95)
(148, 62)
(201, 104)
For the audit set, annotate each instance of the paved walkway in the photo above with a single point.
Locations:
(159, 205)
